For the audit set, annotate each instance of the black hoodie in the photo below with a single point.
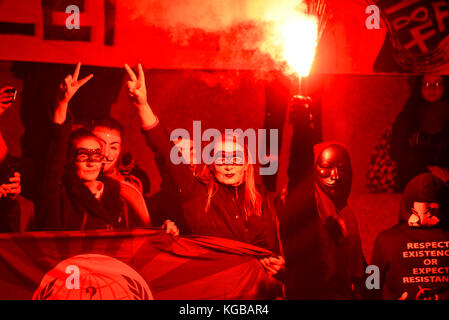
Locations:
(415, 259)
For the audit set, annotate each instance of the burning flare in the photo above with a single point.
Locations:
(293, 32)
(299, 36)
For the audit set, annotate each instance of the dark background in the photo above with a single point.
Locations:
(354, 110)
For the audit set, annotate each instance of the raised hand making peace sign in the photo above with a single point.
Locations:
(137, 90)
(137, 93)
(71, 84)
(67, 90)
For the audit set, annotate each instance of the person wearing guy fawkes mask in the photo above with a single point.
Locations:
(413, 256)
(324, 259)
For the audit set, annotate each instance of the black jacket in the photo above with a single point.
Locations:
(65, 203)
(321, 261)
(226, 217)
(9, 215)
(415, 259)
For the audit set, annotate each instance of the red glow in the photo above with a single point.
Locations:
(292, 37)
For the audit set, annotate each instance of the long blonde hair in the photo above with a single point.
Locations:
(253, 199)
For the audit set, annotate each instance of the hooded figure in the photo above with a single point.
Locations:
(427, 189)
(333, 180)
(324, 257)
(413, 256)
(343, 259)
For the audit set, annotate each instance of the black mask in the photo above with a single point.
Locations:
(333, 173)
(87, 155)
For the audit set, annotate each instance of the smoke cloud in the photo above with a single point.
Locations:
(208, 15)
(240, 28)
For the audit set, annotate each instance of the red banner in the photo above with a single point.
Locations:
(131, 265)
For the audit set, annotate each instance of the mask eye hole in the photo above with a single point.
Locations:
(219, 160)
(430, 210)
(230, 160)
(324, 172)
(435, 84)
(88, 155)
(81, 157)
(238, 160)
(96, 157)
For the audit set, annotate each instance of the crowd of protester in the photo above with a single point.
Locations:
(309, 227)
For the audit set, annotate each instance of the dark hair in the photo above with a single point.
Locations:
(77, 135)
(109, 123)
(416, 100)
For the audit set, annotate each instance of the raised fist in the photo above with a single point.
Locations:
(300, 111)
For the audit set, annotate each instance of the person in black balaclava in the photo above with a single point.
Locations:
(324, 259)
(413, 256)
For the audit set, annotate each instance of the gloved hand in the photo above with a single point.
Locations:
(300, 111)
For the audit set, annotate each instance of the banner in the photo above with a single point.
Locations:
(142, 264)
(418, 35)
